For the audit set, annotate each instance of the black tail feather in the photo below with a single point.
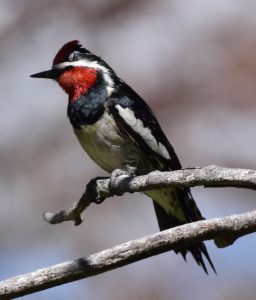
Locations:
(166, 222)
(197, 254)
(206, 254)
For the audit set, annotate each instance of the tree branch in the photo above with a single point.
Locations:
(121, 255)
(99, 189)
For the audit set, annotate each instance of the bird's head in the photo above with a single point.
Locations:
(76, 70)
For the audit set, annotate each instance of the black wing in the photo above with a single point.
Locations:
(129, 99)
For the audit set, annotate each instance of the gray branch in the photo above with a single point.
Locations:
(98, 190)
(223, 230)
(121, 255)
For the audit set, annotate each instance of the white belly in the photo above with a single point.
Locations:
(105, 145)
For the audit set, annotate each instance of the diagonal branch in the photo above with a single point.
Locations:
(121, 255)
(99, 189)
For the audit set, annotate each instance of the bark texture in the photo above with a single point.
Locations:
(223, 230)
(123, 254)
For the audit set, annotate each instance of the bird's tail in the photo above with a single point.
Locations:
(183, 209)
(197, 251)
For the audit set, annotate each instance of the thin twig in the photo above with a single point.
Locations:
(99, 189)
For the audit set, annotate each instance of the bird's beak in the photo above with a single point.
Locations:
(49, 74)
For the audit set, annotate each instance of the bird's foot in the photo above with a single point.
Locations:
(115, 177)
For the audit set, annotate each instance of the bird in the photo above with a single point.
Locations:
(120, 132)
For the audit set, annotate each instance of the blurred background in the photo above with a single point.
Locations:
(194, 62)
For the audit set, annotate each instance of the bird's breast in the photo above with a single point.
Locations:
(107, 146)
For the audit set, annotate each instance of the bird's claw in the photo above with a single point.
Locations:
(114, 177)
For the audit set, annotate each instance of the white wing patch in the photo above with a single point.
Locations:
(146, 134)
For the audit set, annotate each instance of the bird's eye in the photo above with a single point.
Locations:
(74, 56)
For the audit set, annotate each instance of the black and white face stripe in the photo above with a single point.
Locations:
(89, 64)
(146, 134)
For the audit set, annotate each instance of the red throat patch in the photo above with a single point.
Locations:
(77, 80)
